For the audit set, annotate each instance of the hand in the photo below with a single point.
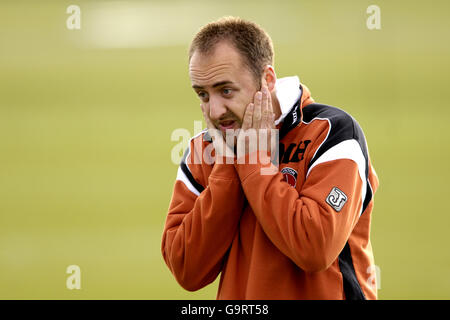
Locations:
(258, 122)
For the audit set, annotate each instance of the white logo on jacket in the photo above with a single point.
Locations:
(336, 199)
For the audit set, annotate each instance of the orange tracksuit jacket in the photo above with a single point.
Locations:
(302, 233)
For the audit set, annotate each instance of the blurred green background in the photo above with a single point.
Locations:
(86, 118)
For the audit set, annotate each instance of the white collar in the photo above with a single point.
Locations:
(288, 92)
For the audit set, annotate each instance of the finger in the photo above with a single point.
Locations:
(202, 106)
(208, 121)
(257, 110)
(263, 82)
(272, 113)
(214, 133)
(269, 100)
(266, 121)
(209, 124)
(248, 117)
(265, 97)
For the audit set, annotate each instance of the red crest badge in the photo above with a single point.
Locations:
(290, 175)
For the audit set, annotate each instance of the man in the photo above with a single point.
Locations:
(299, 233)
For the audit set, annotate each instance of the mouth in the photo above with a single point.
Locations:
(226, 124)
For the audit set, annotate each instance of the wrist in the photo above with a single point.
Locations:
(225, 169)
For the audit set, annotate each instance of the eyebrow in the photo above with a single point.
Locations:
(217, 84)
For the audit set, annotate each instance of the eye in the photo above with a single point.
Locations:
(202, 95)
(227, 91)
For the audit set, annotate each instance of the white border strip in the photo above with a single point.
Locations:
(182, 177)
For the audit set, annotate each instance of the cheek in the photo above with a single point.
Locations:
(240, 105)
(238, 110)
(243, 105)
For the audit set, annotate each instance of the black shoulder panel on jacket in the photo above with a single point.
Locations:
(342, 127)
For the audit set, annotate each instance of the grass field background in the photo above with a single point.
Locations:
(86, 118)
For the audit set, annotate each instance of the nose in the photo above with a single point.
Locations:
(216, 108)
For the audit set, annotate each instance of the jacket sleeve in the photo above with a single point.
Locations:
(312, 225)
(201, 224)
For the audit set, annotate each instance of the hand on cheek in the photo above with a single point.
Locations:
(257, 122)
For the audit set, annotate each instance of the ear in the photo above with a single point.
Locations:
(269, 77)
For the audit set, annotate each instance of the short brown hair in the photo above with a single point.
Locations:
(251, 41)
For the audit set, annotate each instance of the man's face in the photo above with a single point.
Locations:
(224, 84)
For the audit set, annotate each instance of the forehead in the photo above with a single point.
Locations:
(223, 63)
